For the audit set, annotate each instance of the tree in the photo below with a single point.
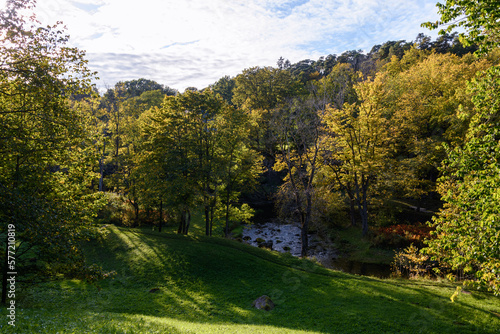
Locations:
(135, 88)
(166, 159)
(224, 87)
(424, 95)
(357, 144)
(353, 57)
(467, 233)
(46, 147)
(197, 142)
(480, 19)
(259, 92)
(239, 164)
(298, 132)
(337, 87)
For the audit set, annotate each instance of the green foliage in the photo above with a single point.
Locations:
(480, 19)
(196, 143)
(468, 228)
(356, 145)
(298, 136)
(46, 145)
(337, 87)
(423, 95)
(412, 263)
(135, 88)
(224, 87)
(263, 88)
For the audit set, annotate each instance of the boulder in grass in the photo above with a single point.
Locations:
(263, 303)
(266, 244)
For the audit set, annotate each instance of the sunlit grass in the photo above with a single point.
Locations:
(207, 285)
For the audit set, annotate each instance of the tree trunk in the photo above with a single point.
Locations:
(212, 218)
(188, 221)
(306, 218)
(352, 211)
(182, 222)
(364, 210)
(136, 211)
(303, 231)
(226, 230)
(161, 216)
(101, 169)
(207, 220)
(362, 202)
(364, 218)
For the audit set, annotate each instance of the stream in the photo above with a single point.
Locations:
(286, 238)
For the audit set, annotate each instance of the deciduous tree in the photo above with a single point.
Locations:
(467, 233)
(46, 146)
(357, 144)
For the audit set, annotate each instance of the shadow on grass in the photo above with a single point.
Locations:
(214, 282)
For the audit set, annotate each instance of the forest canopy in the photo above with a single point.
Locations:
(326, 143)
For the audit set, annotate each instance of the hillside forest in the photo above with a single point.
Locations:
(343, 141)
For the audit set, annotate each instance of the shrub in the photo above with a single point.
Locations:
(401, 235)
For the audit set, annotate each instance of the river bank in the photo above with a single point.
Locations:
(286, 238)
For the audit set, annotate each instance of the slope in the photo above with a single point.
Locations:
(167, 283)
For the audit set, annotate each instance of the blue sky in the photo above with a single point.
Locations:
(182, 43)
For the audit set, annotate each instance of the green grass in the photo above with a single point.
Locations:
(207, 285)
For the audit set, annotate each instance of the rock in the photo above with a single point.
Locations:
(246, 238)
(266, 244)
(263, 303)
(260, 240)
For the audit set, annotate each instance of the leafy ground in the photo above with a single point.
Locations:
(207, 285)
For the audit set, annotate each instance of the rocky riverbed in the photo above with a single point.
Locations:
(286, 238)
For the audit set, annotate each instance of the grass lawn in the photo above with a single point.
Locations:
(207, 285)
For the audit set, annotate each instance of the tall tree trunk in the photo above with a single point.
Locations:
(101, 169)
(226, 230)
(207, 220)
(136, 211)
(161, 216)
(362, 202)
(304, 229)
(212, 207)
(352, 211)
(364, 210)
(306, 219)
(182, 222)
(187, 221)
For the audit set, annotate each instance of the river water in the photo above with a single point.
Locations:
(286, 238)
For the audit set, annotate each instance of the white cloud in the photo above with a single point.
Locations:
(195, 42)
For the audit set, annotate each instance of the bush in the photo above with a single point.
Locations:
(411, 263)
(401, 235)
(117, 211)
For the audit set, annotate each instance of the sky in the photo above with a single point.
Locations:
(193, 43)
